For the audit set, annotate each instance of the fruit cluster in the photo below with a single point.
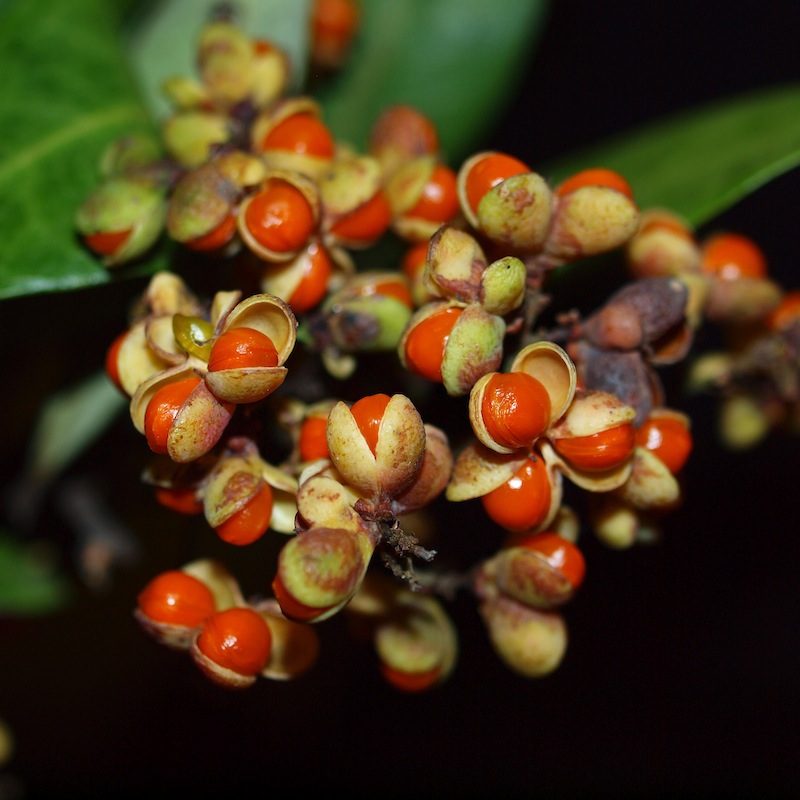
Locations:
(252, 177)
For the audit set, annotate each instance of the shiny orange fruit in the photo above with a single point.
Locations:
(515, 409)
(291, 606)
(668, 438)
(184, 501)
(162, 410)
(237, 639)
(217, 237)
(313, 442)
(368, 413)
(242, 348)
(313, 285)
(595, 176)
(560, 553)
(786, 312)
(523, 501)
(486, 173)
(439, 199)
(176, 598)
(426, 341)
(279, 217)
(112, 361)
(410, 682)
(598, 451)
(303, 133)
(367, 222)
(731, 256)
(251, 521)
(106, 243)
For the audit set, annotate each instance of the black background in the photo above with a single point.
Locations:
(682, 666)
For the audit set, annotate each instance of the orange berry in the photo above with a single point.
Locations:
(596, 176)
(184, 501)
(176, 598)
(439, 200)
(334, 23)
(302, 133)
(217, 237)
(389, 288)
(112, 361)
(731, 256)
(664, 223)
(414, 260)
(559, 552)
(668, 438)
(410, 682)
(251, 521)
(515, 409)
(279, 217)
(367, 222)
(598, 451)
(426, 341)
(786, 312)
(106, 243)
(162, 410)
(313, 284)
(523, 501)
(368, 414)
(494, 168)
(242, 348)
(290, 606)
(313, 443)
(237, 639)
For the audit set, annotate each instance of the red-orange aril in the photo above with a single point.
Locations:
(367, 222)
(595, 176)
(313, 442)
(668, 438)
(176, 598)
(439, 199)
(426, 342)
(389, 288)
(303, 133)
(598, 451)
(217, 237)
(313, 284)
(515, 409)
(560, 553)
(162, 410)
(184, 501)
(486, 173)
(414, 260)
(237, 639)
(786, 312)
(368, 414)
(279, 217)
(523, 501)
(106, 243)
(291, 606)
(410, 682)
(731, 256)
(251, 521)
(242, 348)
(112, 361)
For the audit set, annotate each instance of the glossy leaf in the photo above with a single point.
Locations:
(29, 582)
(67, 93)
(702, 161)
(456, 60)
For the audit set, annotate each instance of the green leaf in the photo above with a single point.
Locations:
(457, 61)
(702, 161)
(70, 421)
(29, 581)
(67, 93)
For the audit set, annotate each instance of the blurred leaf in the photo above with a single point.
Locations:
(162, 39)
(69, 422)
(29, 582)
(67, 93)
(702, 161)
(458, 61)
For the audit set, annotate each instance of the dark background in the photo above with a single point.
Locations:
(682, 667)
